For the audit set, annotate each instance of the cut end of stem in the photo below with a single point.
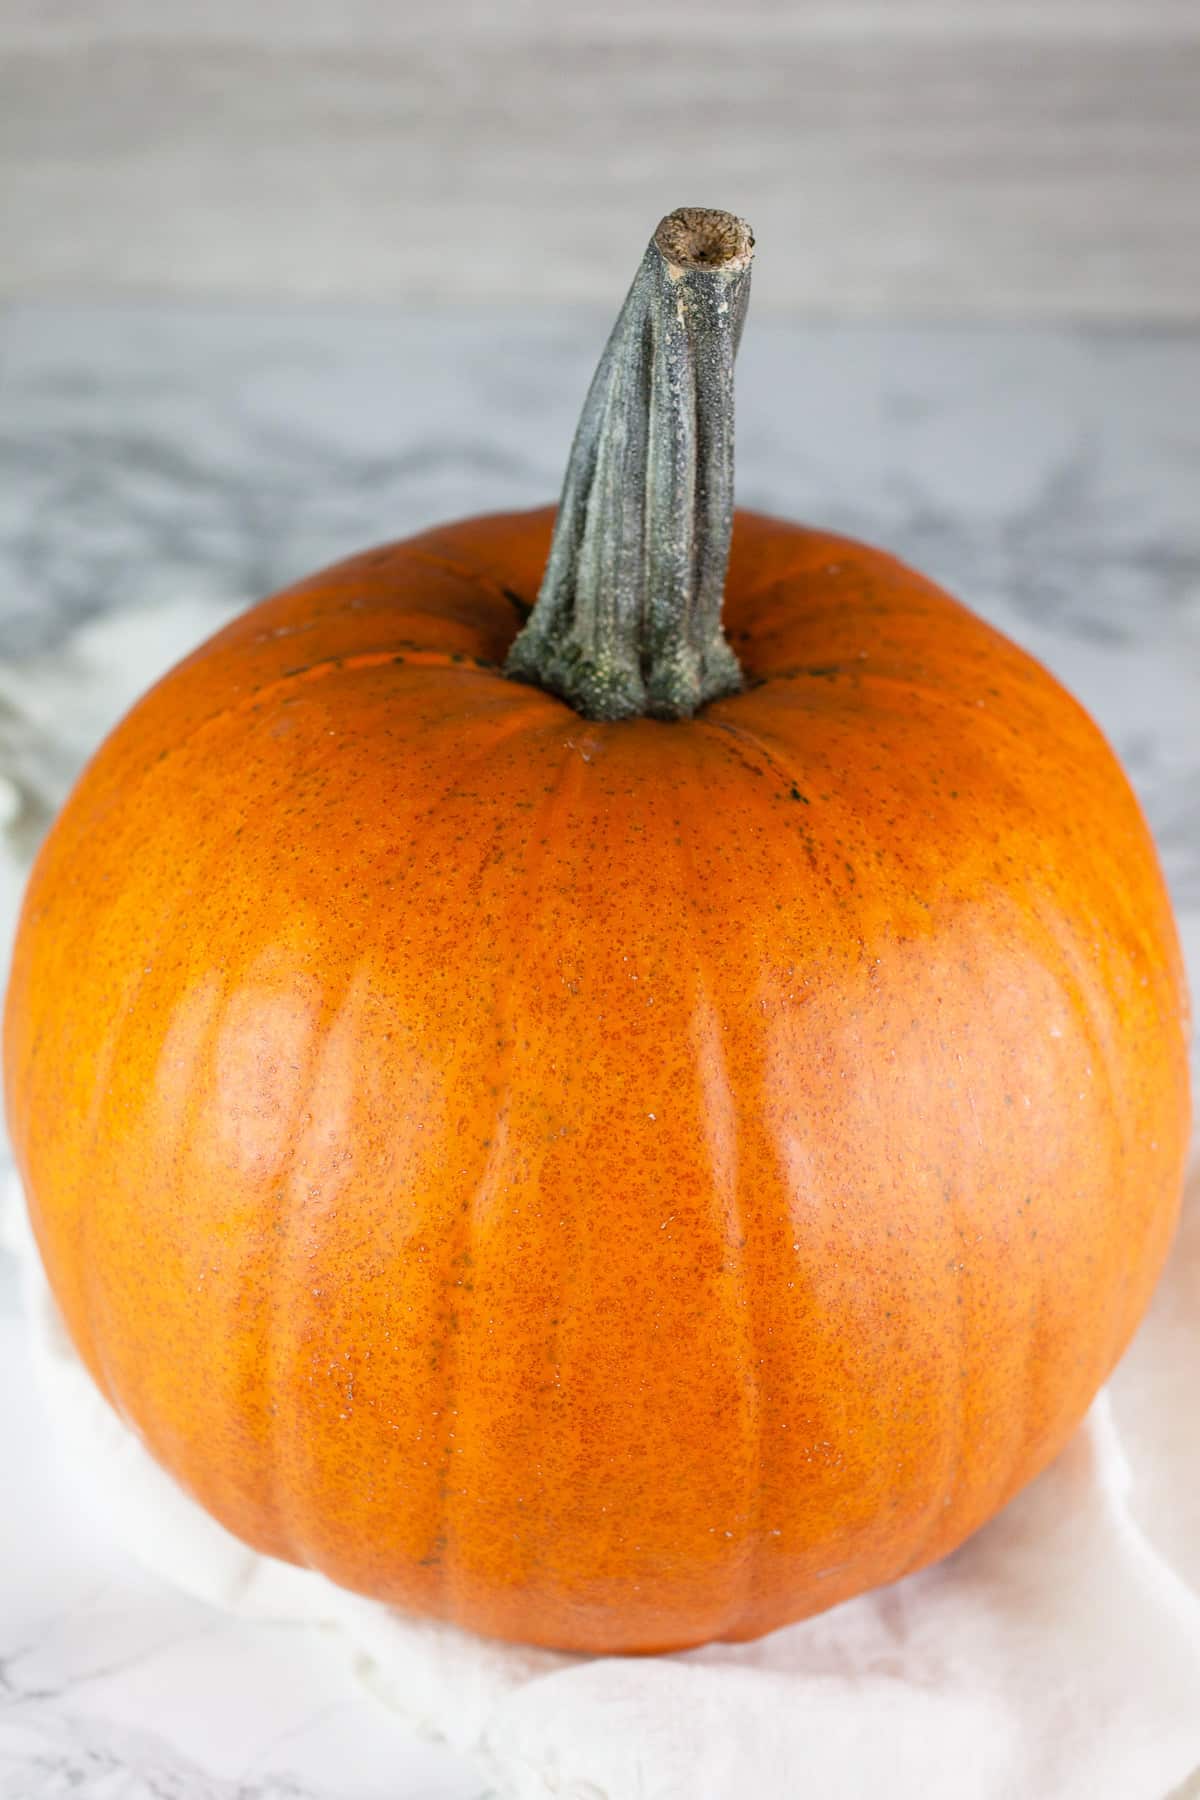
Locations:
(700, 237)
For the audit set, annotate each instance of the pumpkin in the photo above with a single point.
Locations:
(615, 1125)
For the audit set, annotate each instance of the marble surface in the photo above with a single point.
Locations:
(161, 466)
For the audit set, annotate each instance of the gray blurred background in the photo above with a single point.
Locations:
(1031, 158)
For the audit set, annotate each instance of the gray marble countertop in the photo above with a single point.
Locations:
(170, 464)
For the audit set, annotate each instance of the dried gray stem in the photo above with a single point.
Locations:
(628, 619)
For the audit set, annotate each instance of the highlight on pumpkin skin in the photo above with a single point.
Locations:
(628, 617)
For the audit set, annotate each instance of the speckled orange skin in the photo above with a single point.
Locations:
(613, 1186)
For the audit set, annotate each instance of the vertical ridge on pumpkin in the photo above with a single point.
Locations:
(1087, 997)
(131, 1392)
(945, 1476)
(744, 1304)
(569, 776)
(287, 1308)
(86, 1259)
(238, 1456)
(461, 1601)
(279, 1305)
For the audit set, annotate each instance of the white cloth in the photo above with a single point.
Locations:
(1055, 1657)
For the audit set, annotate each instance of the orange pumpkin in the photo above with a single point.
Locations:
(613, 1183)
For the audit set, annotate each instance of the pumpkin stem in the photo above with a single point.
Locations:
(628, 618)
